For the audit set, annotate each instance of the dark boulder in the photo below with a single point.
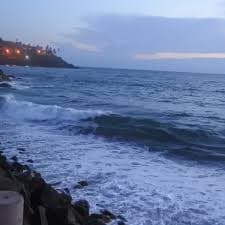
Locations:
(108, 214)
(83, 208)
(121, 223)
(14, 158)
(30, 160)
(81, 184)
(3, 77)
(21, 149)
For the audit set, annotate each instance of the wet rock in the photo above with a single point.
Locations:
(18, 167)
(82, 207)
(121, 223)
(55, 183)
(67, 190)
(3, 77)
(5, 85)
(57, 216)
(109, 214)
(30, 160)
(95, 219)
(14, 158)
(121, 218)
(3, 161)
(21, 149)
(72, 217)
(43, 205)
(81, 184)
(50, 198)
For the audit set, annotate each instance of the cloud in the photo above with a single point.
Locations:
(85, 46)
(177, 56)
(132, 41)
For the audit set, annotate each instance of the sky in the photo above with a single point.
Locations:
(178, 35)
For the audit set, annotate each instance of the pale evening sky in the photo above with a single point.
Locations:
(182, 35)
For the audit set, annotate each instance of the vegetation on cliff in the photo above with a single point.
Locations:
(17, 53)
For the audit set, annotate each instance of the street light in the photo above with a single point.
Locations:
(7, 51)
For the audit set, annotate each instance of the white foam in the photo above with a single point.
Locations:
(24, 110)
(18, 85)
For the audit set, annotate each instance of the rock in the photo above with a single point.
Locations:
(30, 160)
(95, 219)
(3, 173)
(3, 77)
(21, 149)
(5, 85)
(82, 207)
(72, 217)
(17, 166)
(43, 205)
(7, 184)
(121, 223)
(81, 184)
(3, 162)
(67, 190)
(50, 198)
(57, 216)
(121, 218)
(14, 158)
(109, 214)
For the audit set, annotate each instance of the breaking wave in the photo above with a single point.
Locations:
(184, 142)
(24, 110)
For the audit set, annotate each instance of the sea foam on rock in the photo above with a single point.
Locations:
(43, 204)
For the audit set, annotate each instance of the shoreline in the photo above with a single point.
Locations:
(43, 203)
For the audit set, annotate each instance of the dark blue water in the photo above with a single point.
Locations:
(151, 144)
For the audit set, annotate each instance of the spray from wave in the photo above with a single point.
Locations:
(185, 142)
(24, 110)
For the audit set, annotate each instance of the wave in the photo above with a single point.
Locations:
(24, 110)
(160, 136)
(180, 141)
(13, 85)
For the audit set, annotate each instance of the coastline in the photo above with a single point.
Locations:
(43, 205)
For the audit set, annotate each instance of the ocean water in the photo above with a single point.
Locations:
(151, 145)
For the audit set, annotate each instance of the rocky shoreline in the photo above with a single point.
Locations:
(43, 205)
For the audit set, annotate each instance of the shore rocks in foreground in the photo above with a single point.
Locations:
(43, 205)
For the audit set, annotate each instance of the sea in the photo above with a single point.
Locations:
(150, 144)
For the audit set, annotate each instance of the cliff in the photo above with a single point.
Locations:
(17, 53)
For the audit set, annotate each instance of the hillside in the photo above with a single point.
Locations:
(17, 53)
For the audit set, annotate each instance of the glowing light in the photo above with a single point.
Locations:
(18, 51)
(27, 57)
(7, 51)
(39, 51)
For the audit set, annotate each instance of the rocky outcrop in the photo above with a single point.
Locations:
(43, 204)
(3, 77)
